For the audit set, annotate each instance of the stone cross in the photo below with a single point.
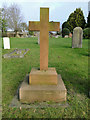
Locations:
(44, 26)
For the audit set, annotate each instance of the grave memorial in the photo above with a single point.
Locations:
(44, 83)
(39, 38)
(17, 53)
(77, 37)
(6, 42)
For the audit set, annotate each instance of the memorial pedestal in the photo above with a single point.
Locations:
(31, 92)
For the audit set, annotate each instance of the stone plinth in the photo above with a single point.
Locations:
(42, 77)
(31, 93)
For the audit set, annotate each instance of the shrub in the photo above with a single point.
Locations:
(86, 33)
(65, 31)
(31, 33)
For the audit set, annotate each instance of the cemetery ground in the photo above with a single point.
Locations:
(71, 63)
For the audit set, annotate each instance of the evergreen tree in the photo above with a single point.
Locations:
(64, 25)
(76, 19)
(3, 21)
(88, 20)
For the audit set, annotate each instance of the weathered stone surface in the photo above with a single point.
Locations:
(44, 84)
(39, 38)
(43, 77)
(24, 34)
(44, 26)
(31, 93)
(17, 53)
(77, 37)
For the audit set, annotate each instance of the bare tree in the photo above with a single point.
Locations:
(14, 17)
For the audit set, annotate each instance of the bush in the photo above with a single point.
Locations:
(86, 33)
(65, 31)
(31, 33)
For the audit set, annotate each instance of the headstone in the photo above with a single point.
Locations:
(66, 36)
(24, 34)
(44, 83)
(56, 36)
(39, 38)
(17, 35)
(77, 37)
(6, 42)
(70, 35)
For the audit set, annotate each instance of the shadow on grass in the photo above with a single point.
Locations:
(36, 43)
(78, 84)
(66, 46)
(87, 54)
(75, 80)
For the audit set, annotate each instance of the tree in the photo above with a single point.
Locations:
(76, 19)
(14, 17)
(88, 20)
(3, 20)
(65, 31)
(86, 33)
(65, 25)
(24, 26)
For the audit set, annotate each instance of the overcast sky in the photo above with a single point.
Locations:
(58, 11)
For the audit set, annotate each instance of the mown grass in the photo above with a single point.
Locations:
(72, 64)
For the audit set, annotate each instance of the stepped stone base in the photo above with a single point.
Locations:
(41, 77)
(31, 93)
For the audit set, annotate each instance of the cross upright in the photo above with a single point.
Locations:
(44, 26)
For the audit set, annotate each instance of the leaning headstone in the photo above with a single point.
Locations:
(77, 37)
(6, 42)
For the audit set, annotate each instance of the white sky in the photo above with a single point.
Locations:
(58, 11)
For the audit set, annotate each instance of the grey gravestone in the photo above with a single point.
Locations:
(77, 37)
(24, 34)
(6, 42)
(39, 38)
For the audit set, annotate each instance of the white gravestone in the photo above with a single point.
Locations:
(6, 42)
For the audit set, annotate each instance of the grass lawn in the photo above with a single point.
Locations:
(72, 64)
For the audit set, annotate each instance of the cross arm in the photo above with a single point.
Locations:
(54, 26)
(34, 25)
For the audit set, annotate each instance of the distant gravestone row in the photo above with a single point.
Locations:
(77, 37)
